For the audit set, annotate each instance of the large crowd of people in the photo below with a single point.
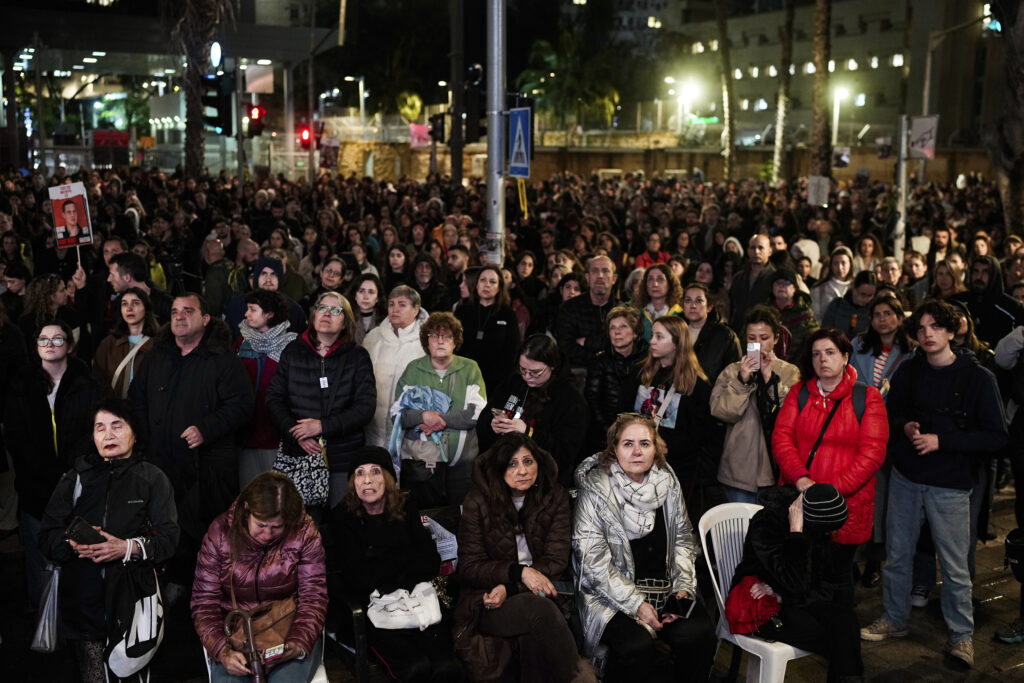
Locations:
(270, 381)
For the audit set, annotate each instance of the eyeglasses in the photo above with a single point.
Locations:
(335, 273)
(47, 341)
(533, 374)
(330, 310)
(434, 336)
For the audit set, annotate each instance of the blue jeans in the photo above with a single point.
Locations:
(735, 495)
(948, 514)
(295, 671)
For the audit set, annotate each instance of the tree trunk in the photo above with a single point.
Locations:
(821, 130)
(195, 34)
(1005, 139)
(782, 99)
(727, 106)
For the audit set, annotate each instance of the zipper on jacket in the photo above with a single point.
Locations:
(263, 555)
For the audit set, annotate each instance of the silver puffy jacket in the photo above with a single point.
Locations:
(602, 561)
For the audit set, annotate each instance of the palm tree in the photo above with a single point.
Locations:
(782, 99)
(1003, 138)
(193, 30)
(821, 128)
(568, 83)
(727, 94)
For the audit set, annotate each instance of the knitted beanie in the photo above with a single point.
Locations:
(824, 509)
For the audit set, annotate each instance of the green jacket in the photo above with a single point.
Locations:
(464, 385)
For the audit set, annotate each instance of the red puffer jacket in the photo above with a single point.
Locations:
(849, 455)
(292, 566)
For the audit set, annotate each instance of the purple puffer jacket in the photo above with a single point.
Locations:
(292, 566)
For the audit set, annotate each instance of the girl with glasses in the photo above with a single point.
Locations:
(47, 422)
(541, 401)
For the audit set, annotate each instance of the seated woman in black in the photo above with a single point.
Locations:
(788, 554)
(382, 545)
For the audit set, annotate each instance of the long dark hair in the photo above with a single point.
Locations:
(493, 465)
(119, 329)
(268, 495)
(394, 499)
(870, 339)
(380, 309)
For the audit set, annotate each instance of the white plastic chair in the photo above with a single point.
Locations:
(727, 524)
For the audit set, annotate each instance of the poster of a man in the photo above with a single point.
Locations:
(72, 223)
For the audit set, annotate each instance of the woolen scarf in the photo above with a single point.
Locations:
(640, 500)
(271, 343)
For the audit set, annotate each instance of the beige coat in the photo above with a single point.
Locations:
(745, 462)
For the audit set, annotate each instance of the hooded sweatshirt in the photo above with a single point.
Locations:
(995, 312)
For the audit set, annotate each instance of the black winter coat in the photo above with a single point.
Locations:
(580, 317)
(377, 553)
(344, 407)
(210, 389)
(716, 347)
(799, 567)
(608, 382)
(13, 361)
(127, 498)
(490, 336)
(29, 431)
(556, 413)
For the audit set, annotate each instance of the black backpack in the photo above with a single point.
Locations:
(858, 395)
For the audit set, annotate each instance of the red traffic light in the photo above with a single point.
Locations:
(304, 134)
(305, 137)
(256, 113)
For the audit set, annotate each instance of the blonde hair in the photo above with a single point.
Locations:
(606, 457)
(686, 369)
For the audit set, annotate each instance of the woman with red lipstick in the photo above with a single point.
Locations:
(382, 545)
(131, 503)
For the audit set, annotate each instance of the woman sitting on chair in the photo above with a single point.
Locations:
(264, 548)
(632, 533)
(789, 556)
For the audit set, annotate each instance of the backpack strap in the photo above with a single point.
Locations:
(802, 396)
(860, 396)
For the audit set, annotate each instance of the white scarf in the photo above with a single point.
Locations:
(640, 500)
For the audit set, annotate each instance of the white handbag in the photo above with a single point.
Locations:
(418, 608)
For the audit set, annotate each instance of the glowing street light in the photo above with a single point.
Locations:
(688, 92)
(839, 94)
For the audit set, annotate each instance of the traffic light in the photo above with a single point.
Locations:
(257, 116)
(437, 128)
(305, 137)
(218, 93)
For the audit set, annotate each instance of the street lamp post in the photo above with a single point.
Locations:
(839, 95)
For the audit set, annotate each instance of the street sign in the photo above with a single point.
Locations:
(923, 131)
(519, 142)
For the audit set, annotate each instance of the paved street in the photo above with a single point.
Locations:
(915, 658)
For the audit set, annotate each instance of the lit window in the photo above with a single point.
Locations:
(653, 22)
(831, 65)
(738, 73)
(860, 100)
(698, 48)
(874, 62)
(713, 44)
(897, 59)
(760, 105)
(754, 72)
(852, 65)
(744, 104)
(772, 71)
(809, 68)
(792, 69)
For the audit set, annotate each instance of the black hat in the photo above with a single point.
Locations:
(374, 455)
(783, 274)
(824, 509)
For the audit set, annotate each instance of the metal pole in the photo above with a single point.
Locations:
(362, 104)
(310, 95)
(239, 137)
(495, 131)
(898, 236)
(40, 123)
(289, 120)
(456, 89)
(934, 40)
(835, 118)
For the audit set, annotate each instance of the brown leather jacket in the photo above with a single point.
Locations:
(488, 556)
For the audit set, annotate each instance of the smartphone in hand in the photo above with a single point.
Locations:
(679, 607)
(754, 351)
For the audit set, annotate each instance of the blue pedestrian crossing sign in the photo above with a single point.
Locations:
(519, 142)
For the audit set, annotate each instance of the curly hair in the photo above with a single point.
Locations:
(631, 315)
(675, 290)
(608, 456)
(438, 322)
(39, 298)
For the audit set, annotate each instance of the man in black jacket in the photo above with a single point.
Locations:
(995, 312)
(714, 343)
(580, 331)
(195, 395)
(752, 284)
